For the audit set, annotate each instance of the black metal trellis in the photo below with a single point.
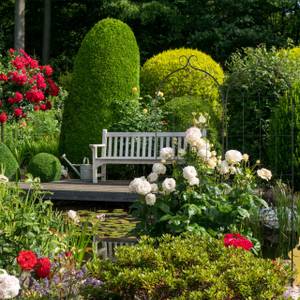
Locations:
(185, 63)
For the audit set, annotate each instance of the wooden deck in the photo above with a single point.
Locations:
(76, 190)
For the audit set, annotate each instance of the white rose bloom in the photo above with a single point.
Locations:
(3, 178)
(160, 94)
(233, 156)
(189, 172)
(212, 163)
(150, 199)
(169, 185)
(154, 188)
(193, 135)
(167, 153)
(159, 168)
(264, 174)
(152, 177)
(232, 170)
(245, 157)
(203, 144)
(143, 188)
(194, 181)
(202, 119)
(72, 214)
(223, 167)
(9, 286)
(204, 154)
(134, 183)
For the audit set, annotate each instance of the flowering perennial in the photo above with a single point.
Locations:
(238, 241)
(25, 86)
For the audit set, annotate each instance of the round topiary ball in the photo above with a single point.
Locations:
(8, 162)
(45, 166)
(184, 82)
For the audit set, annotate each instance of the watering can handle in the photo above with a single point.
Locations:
(86, 160)
(70, 164)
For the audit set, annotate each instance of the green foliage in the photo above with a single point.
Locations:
(179, 111)
(26, 222)
(257, 79)
(185, 82)
(190, 267)
(282, 159)
(207, 196)
(106, 69)
(8, 162)
(144, 116)
(45, 166)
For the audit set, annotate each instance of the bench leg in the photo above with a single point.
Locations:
(95, 174)
(103, 173)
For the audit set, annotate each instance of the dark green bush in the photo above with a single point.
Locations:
(45, 166)
(106, 69)
(280, 151)
(7, 161)
(179, 115)
(191, 267)
(257, 79)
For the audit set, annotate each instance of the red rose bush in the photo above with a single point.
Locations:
(25, 86)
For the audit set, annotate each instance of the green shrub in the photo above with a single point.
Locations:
(280, 149)
(186, 82)
(45, 166)
(7, 161)
(190, 267)
(106, 69)
(179, 115)
(257, 79)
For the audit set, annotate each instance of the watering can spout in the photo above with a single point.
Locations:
(70, 164)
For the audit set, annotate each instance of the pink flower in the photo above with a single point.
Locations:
(18, 97)
(35, 95)
(19, 79)
(40, 81)
(48, 70)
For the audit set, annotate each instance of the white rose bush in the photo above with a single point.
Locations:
(200, 191)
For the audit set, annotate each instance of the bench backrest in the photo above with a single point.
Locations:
(141, 145)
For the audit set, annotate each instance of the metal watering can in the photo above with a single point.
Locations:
(85, 169)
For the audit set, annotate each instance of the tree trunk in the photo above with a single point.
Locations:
(19, 42)
(47, 31)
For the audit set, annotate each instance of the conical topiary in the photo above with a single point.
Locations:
(106, 69)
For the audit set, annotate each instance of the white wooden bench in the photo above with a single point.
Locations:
(133, 148)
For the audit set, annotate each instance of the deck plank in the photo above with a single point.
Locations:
(109, 191)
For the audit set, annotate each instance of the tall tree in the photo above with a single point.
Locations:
(47, 31)
(19, 24)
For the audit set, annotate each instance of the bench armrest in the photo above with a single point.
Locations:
(95, 147)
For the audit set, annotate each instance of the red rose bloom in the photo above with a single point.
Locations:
(238, 241)
(53, 88)
(3, 77)
(43, 267)
(3, 117)
(68, 254)
(48, 70)
(48, 105)
(33, 63)
(35, 95)
(11, 100)
(19, 79)
(20, 62)
(40, 81)
(18, 97)
(36, 108)
(43, 107)
(18, 112)
(27, 260)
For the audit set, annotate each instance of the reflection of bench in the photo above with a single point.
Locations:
(133, 148)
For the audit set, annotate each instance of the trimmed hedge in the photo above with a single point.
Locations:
(185, 82)
(179, 115)
(45, 166)
(190, 267)
(106, 69)
(8, 161)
